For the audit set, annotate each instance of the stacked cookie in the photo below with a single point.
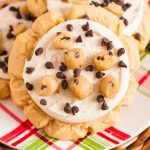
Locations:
(72, 70)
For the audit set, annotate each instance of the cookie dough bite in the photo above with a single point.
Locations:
(134, 14)
(71, 93)
(49, 85)
(108, 86)
(80, 87)
(74, 58)
(104, 60)
(63, 41)
(13, 22)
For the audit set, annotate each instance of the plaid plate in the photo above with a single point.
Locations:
(23, 135)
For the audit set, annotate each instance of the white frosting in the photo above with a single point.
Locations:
(7, 18)
(89, 108)
(58, 4)
(134, 14)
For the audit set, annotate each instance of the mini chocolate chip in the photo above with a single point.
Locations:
(85, 16)
(43, 102)
(75, 110)
(29, 86)
(65, 38)
(104, 41)
(126, 6)
(124, 20)
(62, 67)
(122, 64)
(6, 59)
(39, 51)
(58, 33)
(69, 27)
(79, 39)
(96, 4)
(120, 52)
(4, 52)
(110, 54)
(99, 58)
(76, 81)
(86, 27)
(18, 15)
(89, 33)
(29, 70)
(109, 45)
(89, 68)
(137, 36)
(2, 64)
(104, 106)
(67, 108)
(100, 98)
(64, 84)
(60, 75)
(76, 72)
(49, 65)
(118, 2)
(77, 54)
(10, 28)
(4, 5)
(105, 3)
(10, 35)
(29, 17)
(43, 87)
(14, 9)
(99, 74)
(5, 69)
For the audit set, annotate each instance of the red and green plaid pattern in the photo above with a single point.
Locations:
(25, 136)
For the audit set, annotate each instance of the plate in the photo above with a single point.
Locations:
(18, 132)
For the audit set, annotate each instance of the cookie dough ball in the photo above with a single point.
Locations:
(108, 86)
(63, 40)
(80, 87)
(104, 61)
(74, 58)
(49, 84)
(37, 7)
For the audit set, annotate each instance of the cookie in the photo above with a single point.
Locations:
(63, 41)
(37, 8)
(16, 19)
(135, 15)
(74, 58)
(49, 85)
(52, 62)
